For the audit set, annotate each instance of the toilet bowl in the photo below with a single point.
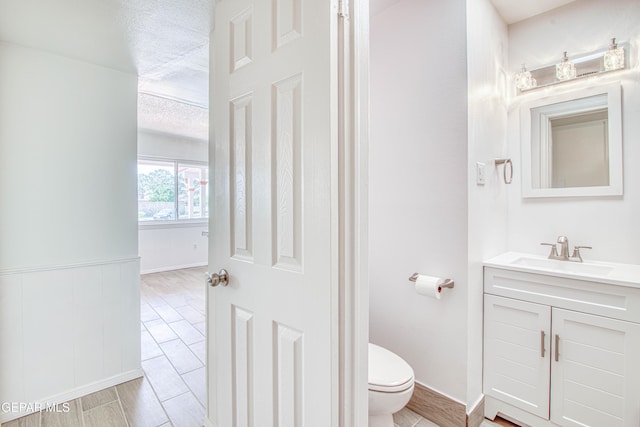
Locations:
(390, 385)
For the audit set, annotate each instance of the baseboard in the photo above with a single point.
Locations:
(75, 393)
(517, 416)
(476, 415)
(175, 267)
(437, 407)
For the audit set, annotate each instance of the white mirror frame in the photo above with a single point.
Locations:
(613, 94)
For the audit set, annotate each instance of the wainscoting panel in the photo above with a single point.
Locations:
(64, 329)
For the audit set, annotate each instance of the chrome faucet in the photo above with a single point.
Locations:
(563, 241)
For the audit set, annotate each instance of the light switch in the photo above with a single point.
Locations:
(480, 173)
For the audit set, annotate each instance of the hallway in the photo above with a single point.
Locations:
(173, 342)
(173, 391)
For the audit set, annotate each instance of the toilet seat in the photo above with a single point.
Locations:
(388, 372)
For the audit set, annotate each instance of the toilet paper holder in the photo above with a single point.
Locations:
(448, 283)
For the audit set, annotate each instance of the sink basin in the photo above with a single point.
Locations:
(596, 271)
(564, 266)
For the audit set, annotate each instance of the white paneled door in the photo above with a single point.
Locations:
(516, 353)
(272, 332)
(595, 371)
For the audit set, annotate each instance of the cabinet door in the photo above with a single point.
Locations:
(516, 353)
(595, 373)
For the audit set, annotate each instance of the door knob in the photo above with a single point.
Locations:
(219, 278)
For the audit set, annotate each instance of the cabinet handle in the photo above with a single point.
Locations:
(542, 344)
(557, 347)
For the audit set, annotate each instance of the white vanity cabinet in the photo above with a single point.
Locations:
(561, 351)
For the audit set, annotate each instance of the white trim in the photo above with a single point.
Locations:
(494, 407)
(475, 405)
(77, 393)
(360, 311)
(354, 176)
(173, 267)
(174, 159)
(181, 223)
(40, 268)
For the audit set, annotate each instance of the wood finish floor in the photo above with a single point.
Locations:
(173, 390)
(408, 418)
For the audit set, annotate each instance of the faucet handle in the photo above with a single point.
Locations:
(576, 252)
(554, 249)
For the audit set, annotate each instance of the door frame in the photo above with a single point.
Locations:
(353, 219)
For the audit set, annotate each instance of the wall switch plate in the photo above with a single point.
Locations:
(480, 173)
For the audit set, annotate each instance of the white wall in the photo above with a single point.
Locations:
(171, 247)
(69, 283)
(67, 160)
(487, 44)
(418, 187)
(167, 246)
(607, 224)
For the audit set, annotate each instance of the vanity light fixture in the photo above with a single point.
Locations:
(614, 57)
(565, 70)
(610, 58)
(523, 79)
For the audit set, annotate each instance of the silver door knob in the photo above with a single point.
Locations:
(219, 278)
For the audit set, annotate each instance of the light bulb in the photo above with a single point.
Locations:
(524, 80)
(565, 70)
(614, 57)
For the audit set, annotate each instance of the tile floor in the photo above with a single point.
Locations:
(173, 343)
(173, 391)
(408, 418)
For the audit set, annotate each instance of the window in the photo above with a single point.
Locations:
(170, 190)
(192, 191)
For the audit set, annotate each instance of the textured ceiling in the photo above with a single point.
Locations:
(164, 115)
(164, 41)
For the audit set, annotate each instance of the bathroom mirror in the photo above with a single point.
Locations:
(572, 144)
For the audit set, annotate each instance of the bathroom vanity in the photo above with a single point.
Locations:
(561, 341)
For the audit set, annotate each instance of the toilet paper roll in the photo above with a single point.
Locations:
(429, 286)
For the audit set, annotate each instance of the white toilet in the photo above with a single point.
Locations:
(390, 385)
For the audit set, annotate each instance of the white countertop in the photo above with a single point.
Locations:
(595, 271)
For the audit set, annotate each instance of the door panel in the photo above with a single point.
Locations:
(516, 353)
(272, 332)
(241, 178)
(242, 366)
(596, 378)
(287, 169)
(288, 376)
